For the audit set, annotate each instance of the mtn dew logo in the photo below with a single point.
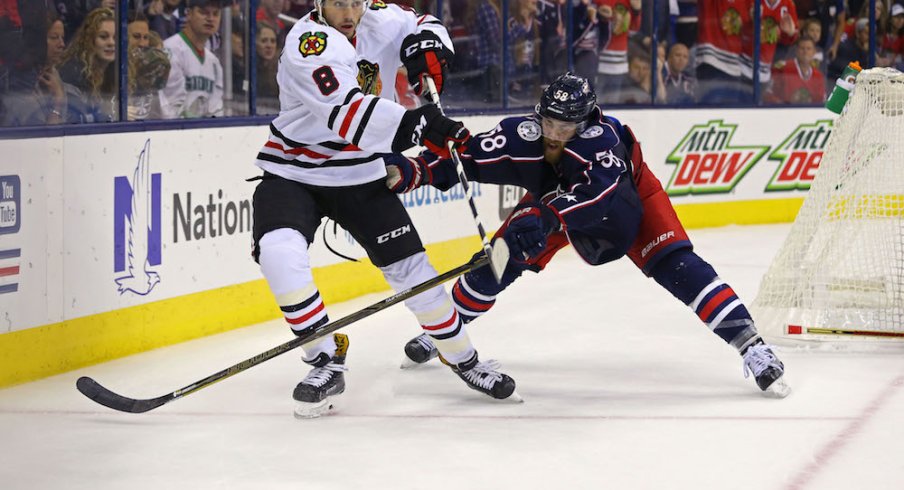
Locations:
(799, 157)
(707, 163)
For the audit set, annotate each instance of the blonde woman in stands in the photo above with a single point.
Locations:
(89, 70)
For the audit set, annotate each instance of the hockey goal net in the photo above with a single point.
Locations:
(839, 276)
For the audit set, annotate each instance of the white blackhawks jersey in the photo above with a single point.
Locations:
(195, 84)
(337, 98)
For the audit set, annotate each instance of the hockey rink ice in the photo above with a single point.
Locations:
(624, 389)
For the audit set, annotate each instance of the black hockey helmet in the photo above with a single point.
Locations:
(569, 98)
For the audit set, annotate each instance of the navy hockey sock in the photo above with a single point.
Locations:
(693, 281)
(475, 292)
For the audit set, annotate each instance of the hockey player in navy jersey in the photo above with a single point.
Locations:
(587, 185)
(323, 157)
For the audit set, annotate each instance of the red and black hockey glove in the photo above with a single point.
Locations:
(527, 229)
(427, 126)
(425, 55)
(405, 174)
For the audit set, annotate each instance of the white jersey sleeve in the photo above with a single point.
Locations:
(405, 22)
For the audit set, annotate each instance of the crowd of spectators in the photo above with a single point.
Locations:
(59, 59)
(704, 48)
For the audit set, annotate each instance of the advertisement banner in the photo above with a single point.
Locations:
(92, 224)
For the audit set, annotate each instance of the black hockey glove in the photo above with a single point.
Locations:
(527, 229)
(425, 55)
(405, 174)
(427, 126)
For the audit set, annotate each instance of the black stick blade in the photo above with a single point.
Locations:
(93, 390)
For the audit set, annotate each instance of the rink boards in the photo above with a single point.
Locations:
(112, 244)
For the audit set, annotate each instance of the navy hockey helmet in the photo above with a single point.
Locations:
(569, 98)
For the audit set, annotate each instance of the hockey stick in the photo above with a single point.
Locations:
(841, 331)
(95, 391)
(498, 253)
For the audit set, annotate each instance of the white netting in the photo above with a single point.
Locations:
(841, 268)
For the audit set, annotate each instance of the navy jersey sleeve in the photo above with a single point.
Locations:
(510, 154)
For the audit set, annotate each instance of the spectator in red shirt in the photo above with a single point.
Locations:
(797, 81)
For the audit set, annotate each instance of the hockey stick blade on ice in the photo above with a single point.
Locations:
(498, 252)
(97, 392)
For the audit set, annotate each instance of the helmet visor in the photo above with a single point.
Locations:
(357, 6)
(558, 130)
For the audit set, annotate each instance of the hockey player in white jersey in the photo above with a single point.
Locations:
(323, 157)
(195, 84)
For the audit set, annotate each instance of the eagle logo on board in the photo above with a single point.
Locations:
(529, 131)
(312, 43)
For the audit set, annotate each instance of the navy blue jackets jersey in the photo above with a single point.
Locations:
(590, 189)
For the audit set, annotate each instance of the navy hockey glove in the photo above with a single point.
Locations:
(405, 174)
(527, 230)
(427, 126)
(425, 55)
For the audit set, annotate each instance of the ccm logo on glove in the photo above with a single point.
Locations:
(425, 45)
(418, 133)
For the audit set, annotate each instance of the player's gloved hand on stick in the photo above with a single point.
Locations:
(427, 126)
(405, 174)
(527, 230)
(425, 55)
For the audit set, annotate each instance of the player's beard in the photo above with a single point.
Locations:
(552, 150)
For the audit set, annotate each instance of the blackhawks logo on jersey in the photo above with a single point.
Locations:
(769, 31)
(312, 43)
(731, 22)
(377, 5)
(369, 77)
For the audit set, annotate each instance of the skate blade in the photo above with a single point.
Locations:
(305, 410)
(778, 389)
(513, 398)
(408, 363)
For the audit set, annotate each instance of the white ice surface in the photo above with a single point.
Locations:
(624, 388)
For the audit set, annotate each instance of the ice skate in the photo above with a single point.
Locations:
(767, 370)
(418, 351)
(486, 378)
(314, 394)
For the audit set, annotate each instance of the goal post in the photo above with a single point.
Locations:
(839, 276)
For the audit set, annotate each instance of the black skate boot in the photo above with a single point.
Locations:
(767, 370)
(418, 351)
(486, 378)
(314, 394)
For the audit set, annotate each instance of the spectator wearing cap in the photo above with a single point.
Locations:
(194, 87)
